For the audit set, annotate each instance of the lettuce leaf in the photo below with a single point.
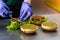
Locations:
(13, 26)
(37, 21)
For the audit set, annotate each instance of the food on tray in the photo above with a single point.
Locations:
(25, 22)
(29, 28)
(49, 26)
(15, 20)
(34, 20)
(14, 24)
(38, 19)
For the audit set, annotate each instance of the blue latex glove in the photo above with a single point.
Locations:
(25, 12)
(4, 10)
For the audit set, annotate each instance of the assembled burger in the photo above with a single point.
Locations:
(38, 19)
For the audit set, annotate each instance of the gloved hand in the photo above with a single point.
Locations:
(25, 12)
(4, 10)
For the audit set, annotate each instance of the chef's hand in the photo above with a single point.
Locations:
(25, 12)
(4, 10)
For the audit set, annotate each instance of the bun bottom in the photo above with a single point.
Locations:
(48, 28)
(29, 30)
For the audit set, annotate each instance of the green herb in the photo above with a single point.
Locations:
(40, 20)
(30, 20)
(26, 22)
(13, 26)
(44, 19)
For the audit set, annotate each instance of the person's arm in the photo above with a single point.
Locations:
(26, 10)
(29, 1)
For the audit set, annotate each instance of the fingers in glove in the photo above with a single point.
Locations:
(7, 11)
(21, 12)
(29, 14)
(23, 15)
(6, 8)
(2, 12)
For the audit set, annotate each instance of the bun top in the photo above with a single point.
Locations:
(37, 17)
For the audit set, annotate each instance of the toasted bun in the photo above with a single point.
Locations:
(49, 28)
(29, 30)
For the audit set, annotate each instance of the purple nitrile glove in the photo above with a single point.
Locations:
(4, 10)
(25, 12)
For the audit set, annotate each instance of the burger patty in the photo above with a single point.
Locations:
(37, 17)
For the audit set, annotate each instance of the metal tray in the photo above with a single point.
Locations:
(39, 35)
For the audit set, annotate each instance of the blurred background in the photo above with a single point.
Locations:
(44, 7)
